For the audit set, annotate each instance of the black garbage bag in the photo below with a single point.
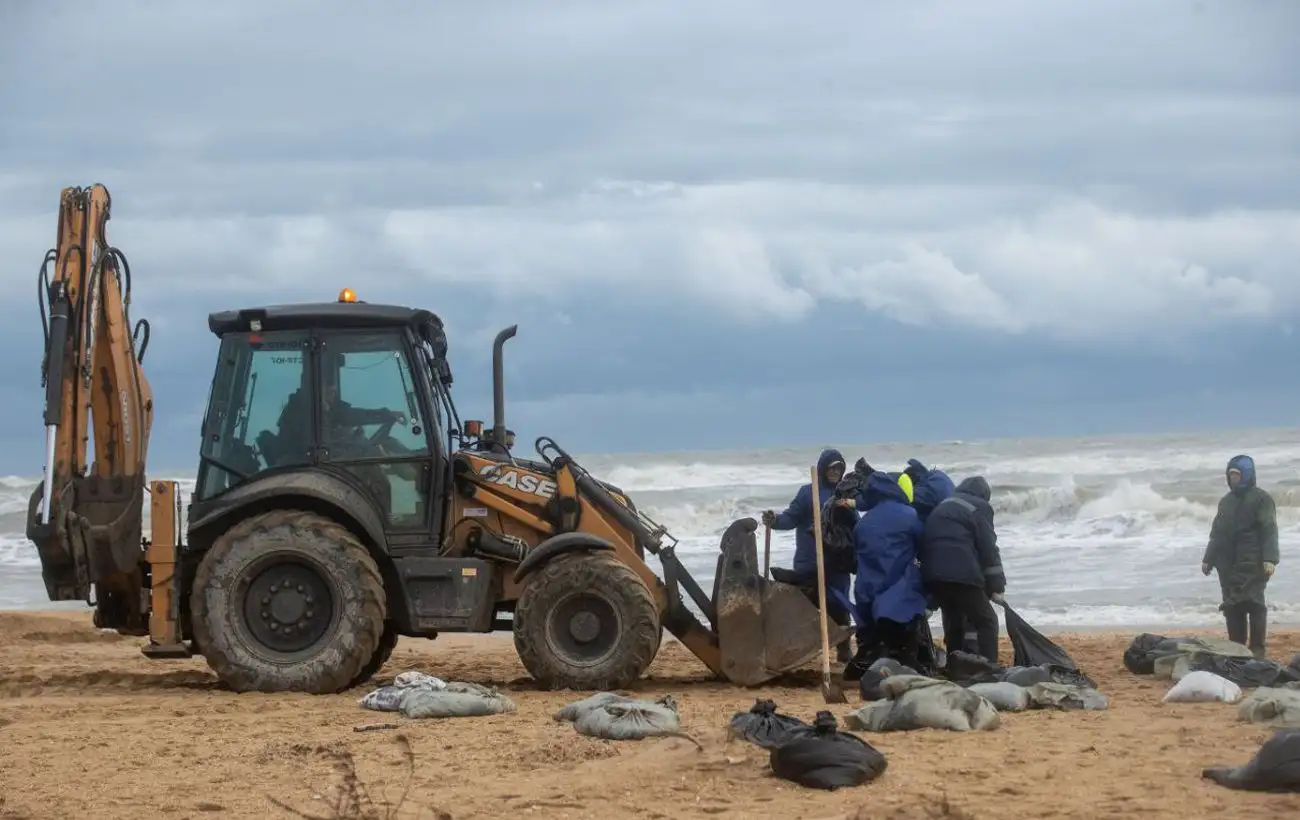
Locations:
(838, 523)
(1249, 673)
(1274, 768)
(763, 726)
(1032, 647)
(1140, 657)
(827, 758)
(967, 668)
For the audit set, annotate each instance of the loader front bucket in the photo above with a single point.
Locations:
(765, 628)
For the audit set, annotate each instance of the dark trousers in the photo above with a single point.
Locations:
(908, 643)
(1247, 624)
(963, 606)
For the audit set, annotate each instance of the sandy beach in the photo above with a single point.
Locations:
(88, 724)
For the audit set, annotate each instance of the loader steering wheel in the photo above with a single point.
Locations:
(383, 432)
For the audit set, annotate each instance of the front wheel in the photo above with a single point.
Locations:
(288, 601)
(586, 621)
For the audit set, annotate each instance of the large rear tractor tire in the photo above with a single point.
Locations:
(586, 621)
(387, 643)
(288, 601)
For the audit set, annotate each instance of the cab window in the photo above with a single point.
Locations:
(260, 411)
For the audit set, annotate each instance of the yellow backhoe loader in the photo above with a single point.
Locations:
(340, 503)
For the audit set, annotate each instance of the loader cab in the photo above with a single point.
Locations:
(351, 388)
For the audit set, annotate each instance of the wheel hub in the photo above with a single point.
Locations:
(584, 629)
(288, 607)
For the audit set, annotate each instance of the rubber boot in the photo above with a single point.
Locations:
(1236, 617)
(1258, 631)
(844, 650)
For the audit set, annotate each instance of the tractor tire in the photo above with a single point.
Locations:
(387, 643)
(288, 601)
(586, 621)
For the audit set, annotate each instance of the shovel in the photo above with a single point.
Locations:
(831, 690)
(767, 550)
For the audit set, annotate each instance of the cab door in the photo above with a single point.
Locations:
(373, 422)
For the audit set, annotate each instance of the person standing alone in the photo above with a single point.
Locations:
(1243, 549)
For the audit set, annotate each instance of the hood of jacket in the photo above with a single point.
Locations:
(883, 487)
(829, 456)
(977, 486)
(1246, 465)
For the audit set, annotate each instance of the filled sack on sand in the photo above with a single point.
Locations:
(1274, 768)
(1203, 687)
(1052, 695)
(827, 758)
(763, 726)
(916, 702)
(874, 675)
(1005, 697)
(1246, 672)
(389, 698)
(1271, 707)
(578, 708)
(1157, 655)
(456, 700)
(630, 720)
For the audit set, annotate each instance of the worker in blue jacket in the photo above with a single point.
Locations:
(929, 487)
(888, 593)
(798, 516)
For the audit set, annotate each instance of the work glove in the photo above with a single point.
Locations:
(1269, 569)
(861, 466)
(1205, 569)
(769, 518)
(846, 502)
(915, 469)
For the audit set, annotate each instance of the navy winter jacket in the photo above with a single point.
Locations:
(889, 583)
(959, 544)
(799, 515)
(929, 487)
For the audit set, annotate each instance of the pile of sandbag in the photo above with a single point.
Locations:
(417, 695)
(966, 669)
(916, 702)
(1272, 706)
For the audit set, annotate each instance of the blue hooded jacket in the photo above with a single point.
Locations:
(799, 515)
(929, 488)
(886, 539)
(1246, 465)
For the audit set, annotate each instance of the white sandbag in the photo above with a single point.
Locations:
(578, 708)
(457, 700)
(419, 680)
(1203, 687)
(1005, 697)
(630, 720)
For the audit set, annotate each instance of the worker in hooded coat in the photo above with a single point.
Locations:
(888, 592)
(929, 487)
(1243, 549)
(962, 567)
(798, 516)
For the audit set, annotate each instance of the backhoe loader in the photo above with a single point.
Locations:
(340, 503)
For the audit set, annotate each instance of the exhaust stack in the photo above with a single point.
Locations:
(499, 385)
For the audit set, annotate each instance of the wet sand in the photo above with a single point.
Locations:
(89, 727)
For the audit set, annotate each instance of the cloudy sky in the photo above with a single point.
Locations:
(720, 224)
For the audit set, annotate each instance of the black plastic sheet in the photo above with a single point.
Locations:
(1032, 647)
(1274, 768)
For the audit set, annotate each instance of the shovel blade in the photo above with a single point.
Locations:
(765, 628)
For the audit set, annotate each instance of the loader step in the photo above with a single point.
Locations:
(162, 651)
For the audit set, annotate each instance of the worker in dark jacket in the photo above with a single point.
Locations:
(1243, 549)
(798, 516)
(888, 592)
(962, 567)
